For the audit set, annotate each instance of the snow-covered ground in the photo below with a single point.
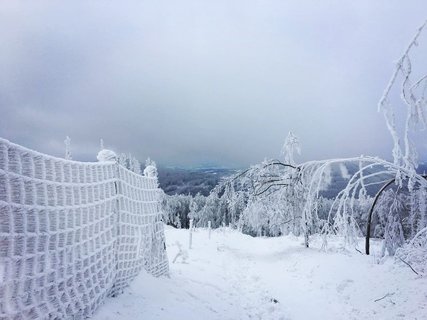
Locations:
(234, 276)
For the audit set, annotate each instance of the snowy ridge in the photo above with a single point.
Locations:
(72, 233)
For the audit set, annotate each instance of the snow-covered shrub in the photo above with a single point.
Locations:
(150, 171)
(415, 252)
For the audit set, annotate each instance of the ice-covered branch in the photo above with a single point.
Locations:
(414, 102)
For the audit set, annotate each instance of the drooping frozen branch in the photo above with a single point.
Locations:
(412, 93)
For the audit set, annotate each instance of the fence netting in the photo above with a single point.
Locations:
(72, 233)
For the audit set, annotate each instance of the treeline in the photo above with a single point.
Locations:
(269, 199)
(251, 202)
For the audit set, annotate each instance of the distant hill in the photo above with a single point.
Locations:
(191, 181)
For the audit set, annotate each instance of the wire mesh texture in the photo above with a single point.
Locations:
(73, 233)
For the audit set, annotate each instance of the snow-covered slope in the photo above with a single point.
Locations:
(234, 276)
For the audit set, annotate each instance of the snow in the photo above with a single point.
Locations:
(150, 171)
(106, 155)
(235, 276)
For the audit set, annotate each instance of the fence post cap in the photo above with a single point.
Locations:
(106, 155)
(150, 171)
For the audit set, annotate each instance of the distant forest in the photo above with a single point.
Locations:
(191, 181)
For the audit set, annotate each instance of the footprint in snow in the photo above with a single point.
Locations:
(344, 284)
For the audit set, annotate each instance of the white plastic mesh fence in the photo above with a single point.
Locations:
(72, 233)
(140, 241)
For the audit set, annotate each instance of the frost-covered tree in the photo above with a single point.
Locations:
(135, 165)
(67, 143)
(196, 205)
(413, 89)
(290, 147)
(268, 198)
(150, 162)
(345, 217)
(129, 162)
(176, 209)
(395, 213)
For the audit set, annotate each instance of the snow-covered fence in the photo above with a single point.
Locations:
(140, 238)
(72, 233)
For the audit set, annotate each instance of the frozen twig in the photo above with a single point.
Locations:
(409, 266)
(385, 296)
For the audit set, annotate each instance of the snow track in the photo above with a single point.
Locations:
(233, 276)
(253, 299)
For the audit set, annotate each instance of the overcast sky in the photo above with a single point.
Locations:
(202, 82)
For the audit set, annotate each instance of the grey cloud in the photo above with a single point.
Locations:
(187, 82)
